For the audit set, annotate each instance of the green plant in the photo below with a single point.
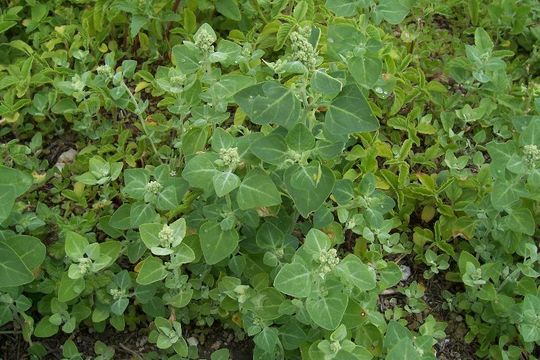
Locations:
(333, 179)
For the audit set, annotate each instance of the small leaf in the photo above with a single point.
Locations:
(350, 113)
(151, 270)
(225, 182)
(271, 149)
(354, 271)
(217, 244)
(294, 280)
(269, 103)
(75, 245)
(325, 84)
(229, 8)
(327, 311)
(257, 190)
(300, 139)
(365, 70)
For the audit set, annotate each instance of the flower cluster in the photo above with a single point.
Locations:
(229, 157)
(532, 154)
(84, 265)
(77, 83)
(166, 236)
(105, 70)
(117, 293)
(153, 187)
(303, 50)
(204, 40)
(328, 260)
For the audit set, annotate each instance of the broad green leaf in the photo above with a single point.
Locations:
(217, 244)
(482, 40)
(294, 280)
(7, 200)
(306, 177)
(200, 170)
(365, 70)
(13, 271)
(300, 139)
(229, 85)
(500, 154)
(394, 11)
(167, 199)
(183, 254)
(221, 354)
(343, 39)
(186, 58)
(344, 7)
(151, 270)
(350, 113)
(194, 140)
(325, 84)
(309, 200)
(229, 8)
(257, 190)
(269, 236)
(99, 167)
(150, 234)
(75, 245)
(13, 183)
(135, 181)
(222, 140)
(271, 149)
(267, 339)
(528, 328)
(531, 134)
(69, 289)
(403, 350)
(120, 219)
(28, 249)
(352, 270)
(316, 242)
(343, 191)
(141, 213)
(521, 221)
(110, 250)
(19, 180)
(466, 258)
(269, 103)
(327, 311)
(390, 275)
(225, 182)
(394, 333)
(503, 194)
(137, 23)
(45, 328)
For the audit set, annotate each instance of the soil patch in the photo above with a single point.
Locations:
(129, 345)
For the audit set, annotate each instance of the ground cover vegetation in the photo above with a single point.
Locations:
(339, 179)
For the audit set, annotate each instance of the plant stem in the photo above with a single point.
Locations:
(142, 120)
(255, 4)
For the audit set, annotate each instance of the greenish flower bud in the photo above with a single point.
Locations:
(153, 187)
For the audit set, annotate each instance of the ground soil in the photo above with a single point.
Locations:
(129, 345)
(453, 346)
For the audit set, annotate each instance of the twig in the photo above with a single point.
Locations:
(129, 351)
(169, 24)
(10, 332)
(390, 291)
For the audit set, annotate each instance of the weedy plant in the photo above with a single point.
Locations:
(329, 179)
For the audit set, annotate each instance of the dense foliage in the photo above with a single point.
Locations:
(277, 167)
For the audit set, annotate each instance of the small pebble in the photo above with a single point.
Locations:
(405, 272)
